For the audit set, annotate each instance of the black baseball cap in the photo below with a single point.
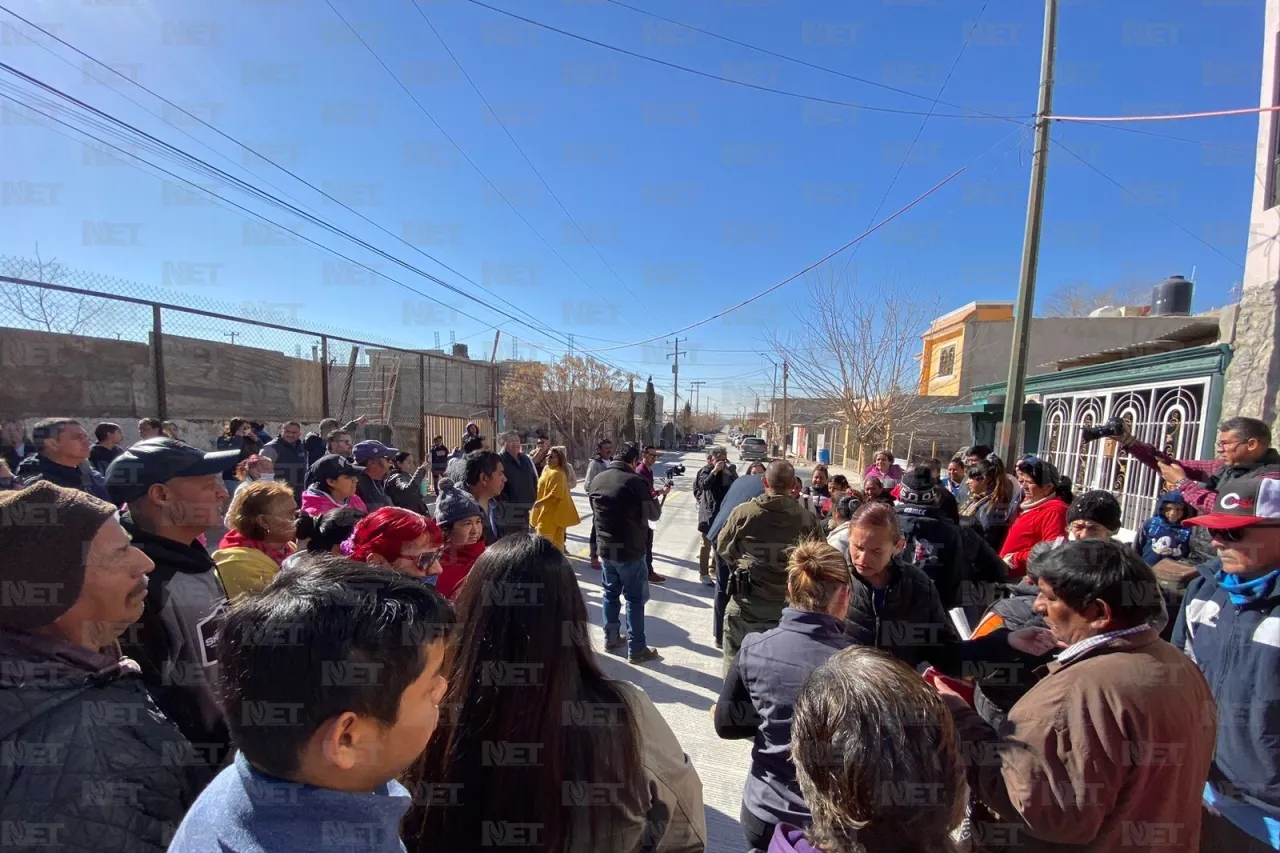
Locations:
(159, 460)
(333, 465)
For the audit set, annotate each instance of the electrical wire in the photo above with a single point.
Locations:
(919, 132)
(465, 156)
(417, 5)
(175, 176)
(169, 151)
(875, 83)
(1173, 117)
(794, 276)
(1162, 215)
(709, 76)
(234, 141)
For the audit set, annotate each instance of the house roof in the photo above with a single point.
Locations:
(1198, 331)
(959, 315)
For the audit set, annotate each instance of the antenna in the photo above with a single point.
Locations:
(1193, 274)
(437, 340)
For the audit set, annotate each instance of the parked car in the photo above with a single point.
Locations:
(753, 449)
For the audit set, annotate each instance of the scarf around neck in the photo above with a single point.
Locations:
(236, 539)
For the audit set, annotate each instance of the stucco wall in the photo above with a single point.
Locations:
(989, 346)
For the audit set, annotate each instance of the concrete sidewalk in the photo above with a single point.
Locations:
(686, 681)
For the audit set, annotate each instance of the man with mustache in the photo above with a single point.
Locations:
(93, 761)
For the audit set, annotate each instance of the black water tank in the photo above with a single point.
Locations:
(1172, 297)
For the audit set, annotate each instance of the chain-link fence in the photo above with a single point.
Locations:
(79, 344)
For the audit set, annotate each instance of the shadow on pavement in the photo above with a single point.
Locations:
(724, 833)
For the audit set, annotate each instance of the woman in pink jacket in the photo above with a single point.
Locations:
(884, 469)
(331, 484)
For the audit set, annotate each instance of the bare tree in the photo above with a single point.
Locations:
(44, 309)
(855, 351)
(1080, 298)
(582, 399)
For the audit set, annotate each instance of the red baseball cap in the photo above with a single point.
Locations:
(1242, 502)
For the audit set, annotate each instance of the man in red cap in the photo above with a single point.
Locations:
(1230, 626)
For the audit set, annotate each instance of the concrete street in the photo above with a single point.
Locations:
(686, 681)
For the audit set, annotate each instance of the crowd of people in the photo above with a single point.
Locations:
(308, 641)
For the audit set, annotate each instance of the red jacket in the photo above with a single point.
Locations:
(456, 561)
(1043, 522)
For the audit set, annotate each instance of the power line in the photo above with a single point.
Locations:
(234, 141)
(919, 132)
(794, 276)
(464, 154)
(1193, 235)
(262, 195)
(866, 81)
(254, 214)
(708, 75)
(519, 148)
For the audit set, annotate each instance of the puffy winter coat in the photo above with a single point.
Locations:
(91, 765)
(934, 546)
(1235, 641)
(1158, 539)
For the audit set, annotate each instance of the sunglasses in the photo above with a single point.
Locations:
(423, 561)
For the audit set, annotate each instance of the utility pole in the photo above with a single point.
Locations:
(786, 428)
(572, 379)
(697, 392)
(1011, 424)
(675, 388)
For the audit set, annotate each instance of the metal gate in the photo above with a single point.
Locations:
(452, 429)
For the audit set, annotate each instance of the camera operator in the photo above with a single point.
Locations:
(755, 543)
(648, 459)
(710, 487)
(1244, 450)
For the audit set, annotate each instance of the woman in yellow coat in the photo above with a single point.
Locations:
(553, 512)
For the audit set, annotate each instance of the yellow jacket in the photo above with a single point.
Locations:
(559, 510)
(244, 570)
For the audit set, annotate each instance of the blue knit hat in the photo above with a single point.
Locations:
(454, 504)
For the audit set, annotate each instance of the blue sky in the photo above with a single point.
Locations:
(696, 193)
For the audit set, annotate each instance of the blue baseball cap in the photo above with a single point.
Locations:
(366, 450)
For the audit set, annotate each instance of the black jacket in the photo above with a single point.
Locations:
(91, 765)
(623, 505)
(1268, 464)
(518, 494)
(710, 488)
(372, 492)
(934, 546)
(912, 626)
(291, 463)
(175, 641)
(100, 457)
(83, 477)
(405, 490)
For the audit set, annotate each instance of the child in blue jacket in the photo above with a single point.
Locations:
(1163, 537)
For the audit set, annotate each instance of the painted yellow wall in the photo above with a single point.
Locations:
(933, 348)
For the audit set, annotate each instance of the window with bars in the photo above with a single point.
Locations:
(947, 361)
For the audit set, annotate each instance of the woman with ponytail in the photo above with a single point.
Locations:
(765, 677)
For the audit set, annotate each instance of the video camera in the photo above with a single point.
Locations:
(1114, 428)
